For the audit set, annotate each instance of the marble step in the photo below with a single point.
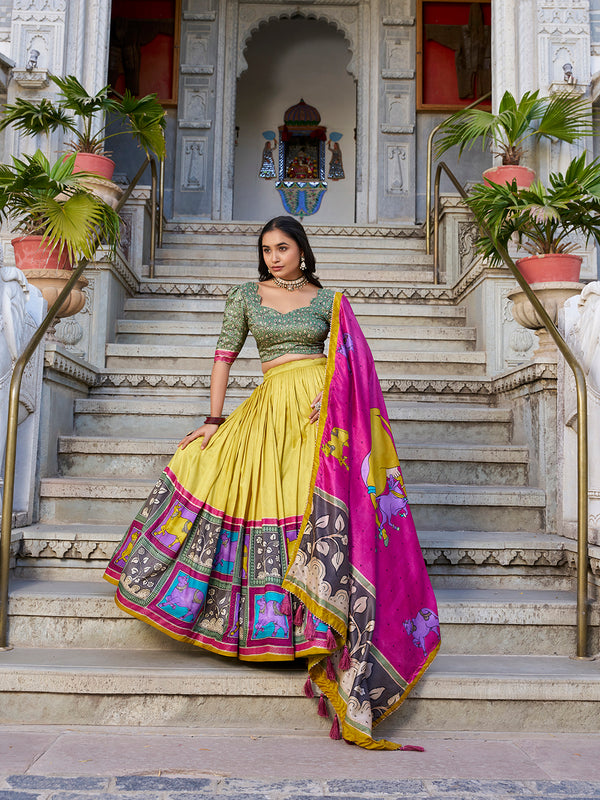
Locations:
(349, 271)
(392, 336)
(139, 357)
(70, 686)
(452, 506)
(82, 614)
(455, 559)
(433, 463)
(423, 422)
(409, 239)
(209, 310)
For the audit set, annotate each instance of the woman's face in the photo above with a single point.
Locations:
(282, 255)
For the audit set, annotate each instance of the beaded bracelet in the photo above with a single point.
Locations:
(214, 420)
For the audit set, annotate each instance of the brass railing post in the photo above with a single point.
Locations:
(430, 139)
(11, 430)
(582, 419)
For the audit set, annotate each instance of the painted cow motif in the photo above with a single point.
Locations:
(421, 626)
(184, 596)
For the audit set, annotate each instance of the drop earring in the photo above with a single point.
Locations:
(302, 263)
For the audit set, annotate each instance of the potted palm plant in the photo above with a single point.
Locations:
(563, 116)
(541, 220)
(59, 220)
(92, 120)
(51, 207)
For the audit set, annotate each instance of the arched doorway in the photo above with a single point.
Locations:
(290, 59)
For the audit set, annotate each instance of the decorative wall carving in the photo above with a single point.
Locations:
(193, 164)
(468, 233)
(396, 176)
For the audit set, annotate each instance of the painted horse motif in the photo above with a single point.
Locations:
(421, 626)
(173, 539)
(269, 611)
(335, 446)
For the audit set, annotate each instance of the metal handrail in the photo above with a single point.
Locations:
(429, 169)
(15, 390)
(582, 416)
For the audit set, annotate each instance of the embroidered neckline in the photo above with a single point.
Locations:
(283, 313)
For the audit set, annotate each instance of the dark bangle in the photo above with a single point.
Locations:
(214, 420)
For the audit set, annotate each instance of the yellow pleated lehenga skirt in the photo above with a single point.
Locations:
(205, 557)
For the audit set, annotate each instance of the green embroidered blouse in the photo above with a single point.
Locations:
(302, 330)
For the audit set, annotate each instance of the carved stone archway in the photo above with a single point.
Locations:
(352, 18)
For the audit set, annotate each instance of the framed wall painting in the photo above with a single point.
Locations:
(144, 48)
(453, 53)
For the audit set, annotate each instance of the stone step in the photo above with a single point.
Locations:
(455, 559)
(409, 239)
(396, 337)
(432, 463)
(138, 358)
(423, 422)
(82, 614)
(348, 272)
(453, 506)
(171, 306)
(104, 687)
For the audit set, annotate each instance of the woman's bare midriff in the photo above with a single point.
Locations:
(275, 362)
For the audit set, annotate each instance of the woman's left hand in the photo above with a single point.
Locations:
(316, 405)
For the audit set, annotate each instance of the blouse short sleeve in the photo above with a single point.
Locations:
(235, 327)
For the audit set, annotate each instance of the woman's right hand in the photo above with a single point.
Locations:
(207, 431)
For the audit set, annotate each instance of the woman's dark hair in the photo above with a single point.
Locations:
(292, 228)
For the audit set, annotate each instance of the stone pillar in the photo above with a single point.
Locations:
(201, 24)
(397, 112)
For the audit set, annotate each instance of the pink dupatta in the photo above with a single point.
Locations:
(357, 564)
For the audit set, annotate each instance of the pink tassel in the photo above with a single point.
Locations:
(308, 689)
(334, 733)
(330, 643)
(299, 616)
(345, 662)
(414, 747)
(309, 630)
(323, 712)
(286, 606)
(330, 670)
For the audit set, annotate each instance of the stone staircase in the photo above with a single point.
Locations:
(505, 581)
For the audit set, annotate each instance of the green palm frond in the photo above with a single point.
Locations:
(76, 98)
(34, 118)
(52, 200)
(76, 224)
(563, 116)
(541, 218)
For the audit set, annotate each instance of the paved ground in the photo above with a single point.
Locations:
(79, 763)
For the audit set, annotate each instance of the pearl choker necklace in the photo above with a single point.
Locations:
(290, 285)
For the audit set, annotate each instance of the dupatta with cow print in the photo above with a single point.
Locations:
(357, 565)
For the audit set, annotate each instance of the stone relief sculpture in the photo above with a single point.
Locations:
(582, 330)
(21, 311)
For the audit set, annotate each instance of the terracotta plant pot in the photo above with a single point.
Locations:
(31, 252)
(93, 162)
(508, 173)
(550, 267)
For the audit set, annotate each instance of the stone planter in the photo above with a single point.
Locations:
(51, 282)
(552, 296)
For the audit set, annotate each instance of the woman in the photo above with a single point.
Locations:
(284, 530)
